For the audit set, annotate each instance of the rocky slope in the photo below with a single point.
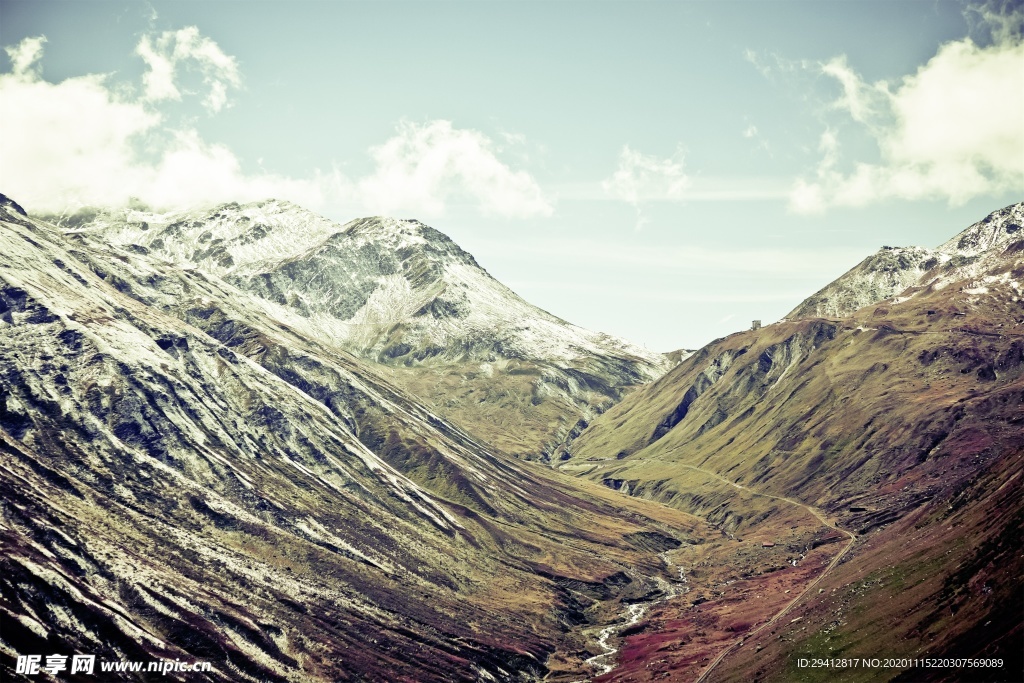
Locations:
(901, 424)
(404, 295)
(892, 271)
(187, 475)
(195, 466)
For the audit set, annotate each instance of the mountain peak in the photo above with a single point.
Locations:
(892, 270)
(994, 232)
(398, 292)
(8, 203)
(401, 234)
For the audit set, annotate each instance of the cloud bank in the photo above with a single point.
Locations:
(951, 131)
(87, 141)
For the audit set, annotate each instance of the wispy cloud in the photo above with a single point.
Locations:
(699, 188)
(186, 48)
(994, 21)
(752, 133)
(772, 64)
(950, 131)
(778, 263)
(682, 295)
(758, 62)
(644, 178)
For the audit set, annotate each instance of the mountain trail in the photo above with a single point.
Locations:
(820, 516)
(635, 612)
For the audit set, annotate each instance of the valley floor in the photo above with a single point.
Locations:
(723, 593)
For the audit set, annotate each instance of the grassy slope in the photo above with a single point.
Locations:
(904, 425)
(168, 452)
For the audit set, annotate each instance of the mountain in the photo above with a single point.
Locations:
(402, 294)
(893, 270)
(206, 459)
(187, 475)
(896, 432)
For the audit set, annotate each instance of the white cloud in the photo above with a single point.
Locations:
(643, 178)
(426, 165)
(76, 142)
(158, 82)
(186, 48)
(951, 131)
(205, 173)
(83, 141)
(67, 140)
(750, 131)
(25, 56)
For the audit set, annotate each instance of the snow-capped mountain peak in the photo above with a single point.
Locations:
(893, 271)
(993, 233)
(397, 292)
(220, 239)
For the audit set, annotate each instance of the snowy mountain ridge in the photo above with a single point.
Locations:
(402, 294)
(219, 240)
(373, 273)
(191, 475)
(905, 271)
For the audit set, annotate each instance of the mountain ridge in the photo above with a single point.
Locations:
(195, 479)
(902, 423)
(406, 296)
(175, 437)
(894, 270)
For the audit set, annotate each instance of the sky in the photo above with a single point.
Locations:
(662, 171)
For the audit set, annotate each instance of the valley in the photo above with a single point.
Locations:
(900, 423)
(308, 451)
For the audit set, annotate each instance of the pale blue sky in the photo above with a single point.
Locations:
(633, 167)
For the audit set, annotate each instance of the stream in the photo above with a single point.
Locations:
(603, 663)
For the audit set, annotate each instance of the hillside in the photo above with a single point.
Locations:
(403, 295)
(185, 476)
(901, 426)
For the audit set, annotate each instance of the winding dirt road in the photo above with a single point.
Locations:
(820, 516)
(602, 659)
